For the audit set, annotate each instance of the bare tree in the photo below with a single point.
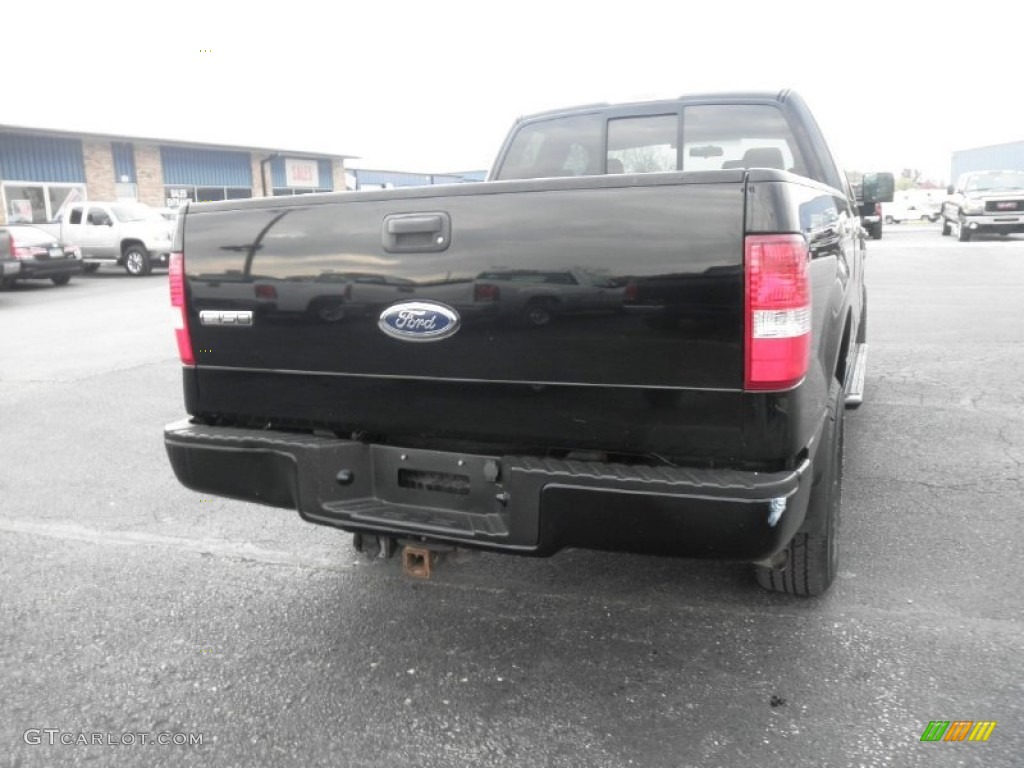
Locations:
(648, 159)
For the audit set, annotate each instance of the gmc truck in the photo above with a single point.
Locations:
(131, 235)
(694, 409)
(984, 202)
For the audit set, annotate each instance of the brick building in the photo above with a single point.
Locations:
(42, 169)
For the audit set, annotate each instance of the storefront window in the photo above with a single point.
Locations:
(25, 205)
(209, 194)
(62, 196)
(177, 196)
(38, 203)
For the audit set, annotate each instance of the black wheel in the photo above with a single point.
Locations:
(876, 231)
(538, 313)
(7, 283)
(136, 261)
(810, 560)
(888, 220)
(328, 310)
(62, 280)
(963, 234)
(90, 267)
(946, 228)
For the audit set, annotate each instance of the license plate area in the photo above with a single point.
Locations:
(56, 253)
(438, 482)
(457, 481)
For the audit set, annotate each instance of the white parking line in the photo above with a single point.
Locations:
(216, 547)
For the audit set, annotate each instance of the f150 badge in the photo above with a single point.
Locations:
(419, 321)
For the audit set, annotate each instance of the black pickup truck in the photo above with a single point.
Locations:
(638, 335)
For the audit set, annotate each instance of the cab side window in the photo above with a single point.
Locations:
(724, 136)
(568, 146)
(98, 217)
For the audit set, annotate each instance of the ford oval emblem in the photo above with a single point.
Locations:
(419, 321)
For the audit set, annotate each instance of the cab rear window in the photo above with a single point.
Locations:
(706, 137)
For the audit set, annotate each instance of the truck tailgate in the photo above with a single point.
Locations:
(596, 281)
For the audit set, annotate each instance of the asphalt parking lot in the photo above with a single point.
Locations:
(130, 605)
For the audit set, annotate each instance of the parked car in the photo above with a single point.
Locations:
(131, 235)
(895, 213)
(870, 214)
(984, 201)
(39, 255)
(9, 266)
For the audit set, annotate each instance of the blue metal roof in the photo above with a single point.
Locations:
(323, 168)
(999, 157)
(206, 167)
(124, 160)
(41, 158)
(403, 179)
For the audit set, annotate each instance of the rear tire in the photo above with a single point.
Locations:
(136, 261)
(328, 310)
(876, 231)
(538, 313)
(90, 267)
(62, 280)
(963, 234)
(946, 228)
(811, 559)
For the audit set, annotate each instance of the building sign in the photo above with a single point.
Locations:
(178, 196)
(301, 173)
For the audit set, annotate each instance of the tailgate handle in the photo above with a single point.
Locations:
(407, 225)
(416, 232)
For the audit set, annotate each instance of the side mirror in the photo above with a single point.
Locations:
(950, 189)
(878, 187)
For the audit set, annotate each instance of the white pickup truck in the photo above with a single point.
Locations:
(131, 235)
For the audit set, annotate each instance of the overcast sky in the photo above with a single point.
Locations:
(434, 86)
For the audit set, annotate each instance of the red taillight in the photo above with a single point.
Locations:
(24, 252)
(486, 292)
(632, 292)
(878, 209)
(778, 311)
(176, 274)
(264, 291)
